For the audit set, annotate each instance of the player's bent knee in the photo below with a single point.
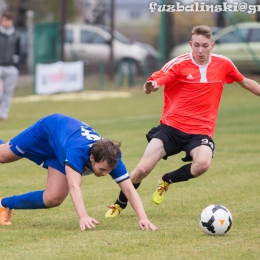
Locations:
(142, 172)
(52, 201)
(203, 167)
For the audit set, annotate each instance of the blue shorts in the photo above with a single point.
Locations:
(28, 144)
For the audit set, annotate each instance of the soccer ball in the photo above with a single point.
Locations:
(215, 220)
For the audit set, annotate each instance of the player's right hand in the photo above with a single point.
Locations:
(87, 222)
(150, 86)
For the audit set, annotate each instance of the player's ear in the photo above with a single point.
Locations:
(91, 158)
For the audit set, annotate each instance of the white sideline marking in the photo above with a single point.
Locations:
(99, 121)
(85, 95)
(130, 118)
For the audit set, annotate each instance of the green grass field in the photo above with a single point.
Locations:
(233, 181)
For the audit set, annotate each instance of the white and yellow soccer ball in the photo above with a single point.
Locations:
(215, 220)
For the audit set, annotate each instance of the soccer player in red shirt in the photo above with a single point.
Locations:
(193, 84)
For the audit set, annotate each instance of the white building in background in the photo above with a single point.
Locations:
(3, 6)
(125, 10)
(94, 11)
(129, 10)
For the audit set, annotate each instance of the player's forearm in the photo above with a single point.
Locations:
(134, 199)
(74, 183)
(251, 85)
(78, 201)
(137, 205)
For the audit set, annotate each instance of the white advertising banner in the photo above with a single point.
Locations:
(59, 77)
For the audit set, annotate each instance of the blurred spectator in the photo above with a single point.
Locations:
(9, 59)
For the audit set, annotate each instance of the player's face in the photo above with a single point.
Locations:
(201, 48)
(100, 168)
(6, 23)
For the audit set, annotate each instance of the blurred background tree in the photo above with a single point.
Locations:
(132, 18)
(169, 28)
(178, 25)
(47, 10)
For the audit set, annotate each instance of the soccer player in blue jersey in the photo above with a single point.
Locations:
(68, 149)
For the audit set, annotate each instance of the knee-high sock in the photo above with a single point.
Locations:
(2, 142)
(182, 174)
(30, 200)
(122, 199)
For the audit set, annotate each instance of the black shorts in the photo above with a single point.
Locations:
(176, 141)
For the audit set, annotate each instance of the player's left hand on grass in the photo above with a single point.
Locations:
(145, 224)
(87, 222)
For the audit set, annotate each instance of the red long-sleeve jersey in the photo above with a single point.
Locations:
(192, 92)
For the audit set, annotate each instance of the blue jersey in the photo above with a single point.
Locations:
(58, 140)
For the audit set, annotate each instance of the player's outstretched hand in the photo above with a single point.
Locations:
(145, 224)
(87, 222)
(150, 86)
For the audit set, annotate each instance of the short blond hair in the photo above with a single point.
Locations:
(202, 30)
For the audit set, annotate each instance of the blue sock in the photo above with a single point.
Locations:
(2, 142)
(30, 200)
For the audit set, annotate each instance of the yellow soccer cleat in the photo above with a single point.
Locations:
(114, 211)
(159, 194)
(5, 215)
